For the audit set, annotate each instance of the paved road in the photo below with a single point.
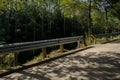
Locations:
(99, 63)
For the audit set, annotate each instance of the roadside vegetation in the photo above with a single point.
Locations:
(33, 20)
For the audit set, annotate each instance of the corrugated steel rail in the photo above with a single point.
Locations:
(25, 46)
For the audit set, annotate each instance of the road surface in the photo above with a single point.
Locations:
(99, 63)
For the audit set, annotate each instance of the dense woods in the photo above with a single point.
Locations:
(32, 20)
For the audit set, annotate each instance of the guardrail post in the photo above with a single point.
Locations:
(16, 59)
(44, 52)
(95, 41)
(78, 44)
(111, 38)
(61, 48)
(93, 38)
(118, 35)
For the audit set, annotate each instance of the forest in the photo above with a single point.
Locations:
(33, 20)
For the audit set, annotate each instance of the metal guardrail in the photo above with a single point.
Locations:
(18, 47)
(25, 46)
(107, 34)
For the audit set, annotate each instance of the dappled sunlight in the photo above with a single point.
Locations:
(93, 66)
(99, 63)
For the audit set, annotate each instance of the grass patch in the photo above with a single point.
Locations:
(6, 61)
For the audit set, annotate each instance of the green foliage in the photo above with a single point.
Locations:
(6, 61)
(71, 8)
(38, 58)
(31, 20)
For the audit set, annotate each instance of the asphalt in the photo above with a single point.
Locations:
(99, 63)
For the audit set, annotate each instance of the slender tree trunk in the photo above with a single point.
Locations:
(49, 20)
(42, 22)
(106, 21)
(64, 27)
(15, 27)
(89, 20)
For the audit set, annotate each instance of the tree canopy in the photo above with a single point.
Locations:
(29, 20)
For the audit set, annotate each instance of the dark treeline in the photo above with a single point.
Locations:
(32, 20)
(29, 21)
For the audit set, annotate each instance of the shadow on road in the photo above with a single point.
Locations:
(113, 41)
(117, 41)
(92, 66)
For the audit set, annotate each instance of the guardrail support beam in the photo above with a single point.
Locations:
(16, 59)
(78, 44)
(61, 48)
(111, 38)
(94, 41)
(44, 52)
